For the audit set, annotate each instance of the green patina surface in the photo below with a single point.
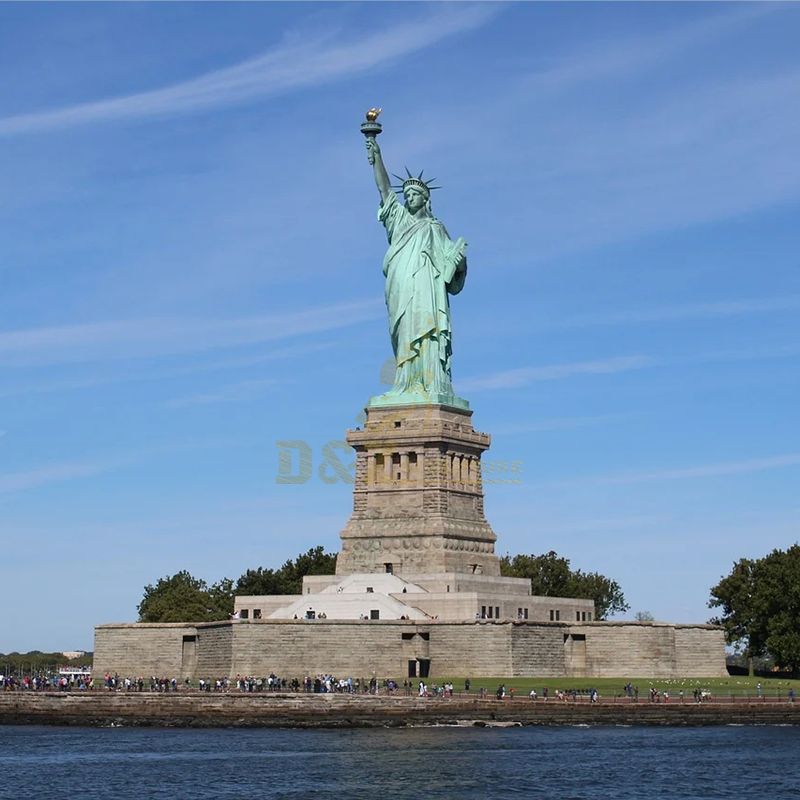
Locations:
(422, 267)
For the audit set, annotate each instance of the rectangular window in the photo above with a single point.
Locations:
(578, 616)
(558, 615)
(375, 614)
(244, 614)
(497, 612)
(552, 615)
(413, 467)
(483, 612)
(490, 612)
(525, 613)
(389, 568)
(370, 590)
(589, 615)
(256, 613)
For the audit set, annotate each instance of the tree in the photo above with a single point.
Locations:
(760, 602)
(643, 616)
(260, 581)
(313, 562)
(551, 576)
(288, 579)
(734, 594)
(184, 598)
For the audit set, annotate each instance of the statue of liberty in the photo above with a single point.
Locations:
(422, 266)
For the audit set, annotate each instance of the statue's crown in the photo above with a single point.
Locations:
(426, 187)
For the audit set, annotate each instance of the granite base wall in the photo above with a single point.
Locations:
(215, 649)
(384, 647)
(141, 649)
(651, 649)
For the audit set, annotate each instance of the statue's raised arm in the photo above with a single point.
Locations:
(381, 175)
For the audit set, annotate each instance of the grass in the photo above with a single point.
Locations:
(740, 686)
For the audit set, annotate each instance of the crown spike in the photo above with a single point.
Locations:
(419, 182)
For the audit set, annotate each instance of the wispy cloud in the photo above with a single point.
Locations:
(676, 313)
(299, 61)
(754, 353)
(718, 469)
(11, 482)
(522, 376)
(635, 522)
(59, 472)
(123, 339)
(232, 393)
(634, 56)
(558, 424)
(127, 374)
(514, 378)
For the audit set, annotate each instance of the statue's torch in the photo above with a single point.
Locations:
(371, 127)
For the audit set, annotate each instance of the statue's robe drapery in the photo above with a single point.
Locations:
(422, 266)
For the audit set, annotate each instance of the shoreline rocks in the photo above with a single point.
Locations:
(196, 710)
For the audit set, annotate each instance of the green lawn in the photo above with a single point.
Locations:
(611, 687)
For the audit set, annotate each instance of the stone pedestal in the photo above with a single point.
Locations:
(418, 495)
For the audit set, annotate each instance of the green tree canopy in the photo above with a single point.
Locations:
(184, 598)
(551, 576)
(287, 579)
(260, 581)
(760, 603)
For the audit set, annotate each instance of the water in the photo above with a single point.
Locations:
(569, 763)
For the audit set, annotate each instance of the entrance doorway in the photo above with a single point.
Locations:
(189, 656)
(419, 667)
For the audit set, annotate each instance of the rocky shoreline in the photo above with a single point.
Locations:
(196, 710)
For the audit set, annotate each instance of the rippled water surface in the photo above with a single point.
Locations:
(560, 763)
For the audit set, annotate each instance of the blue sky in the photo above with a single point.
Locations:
(190, 272)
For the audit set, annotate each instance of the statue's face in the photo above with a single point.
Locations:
(415, 200)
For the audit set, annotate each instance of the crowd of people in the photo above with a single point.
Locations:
(46, 682)
(323, 683)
